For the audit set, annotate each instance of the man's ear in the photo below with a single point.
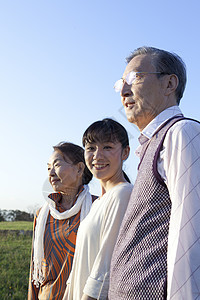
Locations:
(172, 82)
(125, 153)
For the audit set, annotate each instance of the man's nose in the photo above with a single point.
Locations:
(126, 90)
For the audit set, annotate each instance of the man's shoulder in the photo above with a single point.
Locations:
(187, 120)
(185, 125)
(184, 130)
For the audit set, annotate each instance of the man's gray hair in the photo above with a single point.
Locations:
(165, 62)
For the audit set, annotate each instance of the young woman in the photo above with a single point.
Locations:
(106, 148)
(57, 222)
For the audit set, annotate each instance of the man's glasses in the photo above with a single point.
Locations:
(130, 79)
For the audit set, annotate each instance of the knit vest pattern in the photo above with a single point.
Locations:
(139, 263)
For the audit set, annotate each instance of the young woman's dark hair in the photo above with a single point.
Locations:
(76, 154)
(107, 130)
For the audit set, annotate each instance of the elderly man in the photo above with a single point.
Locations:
(157, 254)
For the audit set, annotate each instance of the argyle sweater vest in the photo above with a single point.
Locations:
(139, 263)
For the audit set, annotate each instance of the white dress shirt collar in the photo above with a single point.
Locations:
(155, 124)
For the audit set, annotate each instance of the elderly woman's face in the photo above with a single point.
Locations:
(63, 174)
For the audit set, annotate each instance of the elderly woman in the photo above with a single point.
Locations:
(57, 222)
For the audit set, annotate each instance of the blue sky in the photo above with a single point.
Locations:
(58, 63)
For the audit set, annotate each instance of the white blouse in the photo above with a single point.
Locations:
(96, 238)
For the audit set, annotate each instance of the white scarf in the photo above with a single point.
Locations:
(83, 202)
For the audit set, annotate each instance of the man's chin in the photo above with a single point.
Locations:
(130, 118)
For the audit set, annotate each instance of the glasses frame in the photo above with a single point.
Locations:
(130, 78)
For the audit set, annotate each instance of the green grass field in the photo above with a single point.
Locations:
(15, 253)
(18, 225)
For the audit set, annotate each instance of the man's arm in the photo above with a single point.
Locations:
(181, 161)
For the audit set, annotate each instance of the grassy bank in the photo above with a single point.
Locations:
(18, 225)
(15, 252)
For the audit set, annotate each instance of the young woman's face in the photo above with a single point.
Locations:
(105, 160)
(63, 174)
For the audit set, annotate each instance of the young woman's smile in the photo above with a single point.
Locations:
(100, 166)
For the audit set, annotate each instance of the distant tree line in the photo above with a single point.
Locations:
(15, 215)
